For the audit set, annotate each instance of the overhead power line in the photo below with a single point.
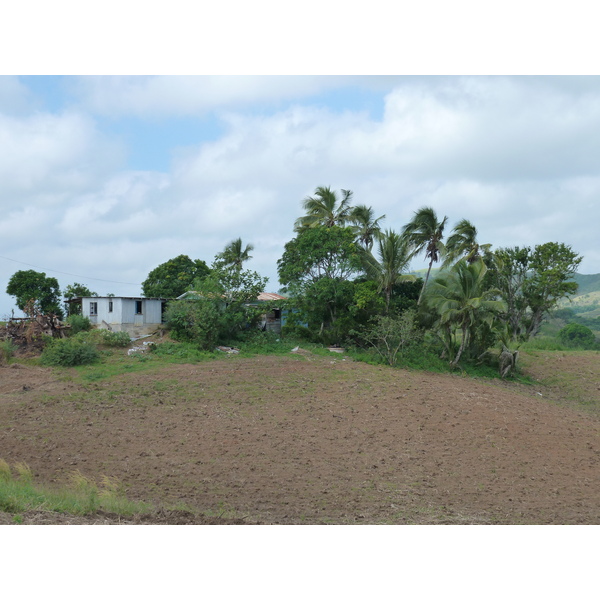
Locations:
(70, 274)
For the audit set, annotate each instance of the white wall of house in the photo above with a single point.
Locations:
(134, 315)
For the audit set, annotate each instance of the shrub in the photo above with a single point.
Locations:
(392, 336)
(116, 339)
(7, 349)
(69, 352)
(578, 336)
(79, 323)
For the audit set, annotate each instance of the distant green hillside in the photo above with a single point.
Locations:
(587, 283)
(586, 301)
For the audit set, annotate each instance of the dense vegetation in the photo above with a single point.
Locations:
(348, 284)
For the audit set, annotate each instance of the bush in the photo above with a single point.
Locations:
(104, 337)
(115, 339)
(7, 349)
(392, 336)
(578, 336)
(69, 352)
(185, 352)
(79, 323)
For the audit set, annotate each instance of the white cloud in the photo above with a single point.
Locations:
(176, 95)
(515, 156)
(48, 155)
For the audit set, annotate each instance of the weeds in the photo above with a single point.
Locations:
(82, 496)
(7, 350)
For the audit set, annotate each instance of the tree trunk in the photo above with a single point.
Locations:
(463, 345)
(425, 284)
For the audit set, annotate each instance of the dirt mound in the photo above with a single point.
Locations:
(308, 439)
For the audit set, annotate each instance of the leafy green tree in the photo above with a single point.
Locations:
(316, 268)
(174, 277)
(462, 302)
(365, 225)
(28, 286)
(325, 209)
(531, 283)
(424, 233)
(218, 307)
(76, 290)
(388, 269)
(234, 255)
(577, 335)
(462, 243)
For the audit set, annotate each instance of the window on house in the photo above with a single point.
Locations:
(93, 309)
(138, 307)
(110, 306)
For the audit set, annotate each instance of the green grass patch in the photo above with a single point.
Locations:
(81, 496)
(180, 352)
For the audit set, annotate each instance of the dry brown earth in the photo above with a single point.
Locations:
(312, 439)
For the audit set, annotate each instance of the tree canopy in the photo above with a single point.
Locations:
(532, 282)
(325, 209)
(31, 287)
(174, 277)
(234, 255)
(424, 233)
(76, 290)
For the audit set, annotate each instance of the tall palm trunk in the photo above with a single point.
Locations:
(425, 283)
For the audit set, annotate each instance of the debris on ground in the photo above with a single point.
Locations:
(29, 333)
(228, 349)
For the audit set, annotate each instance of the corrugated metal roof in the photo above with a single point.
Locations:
(262, 297)
(269, 296)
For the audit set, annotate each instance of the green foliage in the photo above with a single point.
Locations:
(387, 270)
(462, 244)
(114, 339)
(76, 290)
(27, 286)
(366, 227)
(255, 342)
(174, 277)
(325, 209)
(69, 352)
(181, 352)
(424, 233)
(531, 283)
(219, 308)
(315, 269)
(463, 305)
(7, 350)
(78, 323)
(578, 336)
(81, 496)
(392, 336)
(234, 255)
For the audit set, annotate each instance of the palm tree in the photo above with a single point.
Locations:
(394, 257)
(365, 225)
(463, 244)
(234, 255)
(425, 232)
(324, 209)
(462, 302)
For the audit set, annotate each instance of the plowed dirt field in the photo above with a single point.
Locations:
(306, 439)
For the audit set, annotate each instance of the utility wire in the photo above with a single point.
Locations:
(70, 274)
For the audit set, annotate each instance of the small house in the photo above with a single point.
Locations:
(136, 316)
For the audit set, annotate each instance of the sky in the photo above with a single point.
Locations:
(103, 178)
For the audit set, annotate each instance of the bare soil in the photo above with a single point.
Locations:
(316, 440)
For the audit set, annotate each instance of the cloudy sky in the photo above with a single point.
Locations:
(104, 178)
